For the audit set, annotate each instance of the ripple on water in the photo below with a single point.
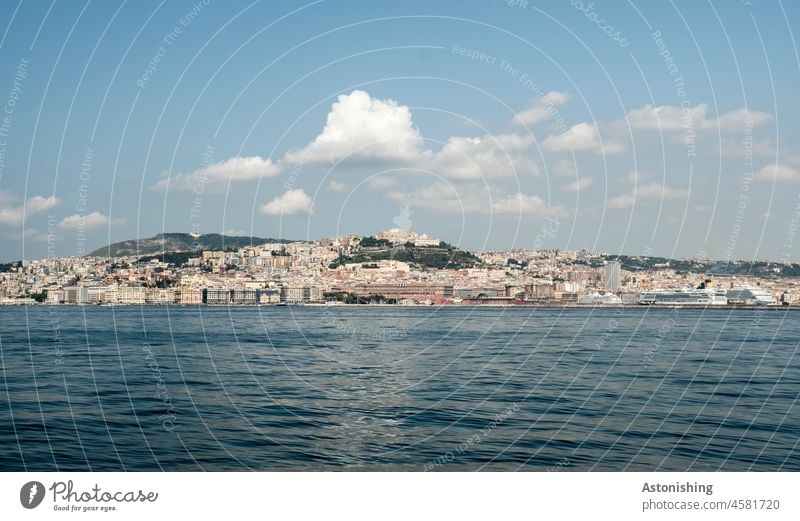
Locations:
(398, 389)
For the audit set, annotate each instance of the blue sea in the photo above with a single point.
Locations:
(398, 388)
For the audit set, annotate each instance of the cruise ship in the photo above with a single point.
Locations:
(703, 295)
(596, 299)
(750, 297)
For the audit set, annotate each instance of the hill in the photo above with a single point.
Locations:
(741, 268)
(178, 242)
(436, 257)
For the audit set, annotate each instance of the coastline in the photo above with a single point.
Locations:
(422, 306)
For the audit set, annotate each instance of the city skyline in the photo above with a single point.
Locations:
(395, 266)
(480, 135)
(258, 241)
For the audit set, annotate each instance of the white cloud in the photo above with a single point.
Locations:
(636, 176)
(336, 186)
(577, 186)
(647, 191)
(565, 168)
(531, 205)
(777, 172)
(11, 212)
(473, 198)
(582, 137)
(293, 202)
(738, 148)
(10, 216)
(737, 120)
(656, 191)
(766, 216)
(234, 169)
(541, 108)
(363, 130)
(556, 98)
(78, 221)
(38, 204)
(671, 117)
(484, 157)
(367, 130)
(446, 197)
(362, 127)
(28, 234)
(621, 201)
(381, 183)
(665, 117)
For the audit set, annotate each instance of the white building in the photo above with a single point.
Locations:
(159, 296)
(189, 296)
(596, 299)
(424, 240)
(750, 297)
(76, 294)
(131, 295)
(396, 235)
(613, 273)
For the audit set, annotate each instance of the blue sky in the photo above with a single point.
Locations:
(664, 128)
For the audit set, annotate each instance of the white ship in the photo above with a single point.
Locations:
(596, 299)
(704, 295)
(750, 297)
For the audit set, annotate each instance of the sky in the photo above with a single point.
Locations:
(643, 128)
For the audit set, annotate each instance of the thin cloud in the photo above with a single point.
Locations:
(336, 186)
(473, 198)
(11, 212)
(647, 191)
(675, 118)
(579, 185)
(88, 221)
(231, 170)
(777, 172)
(541, 109)
(582, 137)
(530, 205)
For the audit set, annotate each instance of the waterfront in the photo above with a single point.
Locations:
(436, 388)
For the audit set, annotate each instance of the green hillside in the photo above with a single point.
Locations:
(178, 242)
(444, 256)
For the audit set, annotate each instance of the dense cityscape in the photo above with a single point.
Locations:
(393, 267)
